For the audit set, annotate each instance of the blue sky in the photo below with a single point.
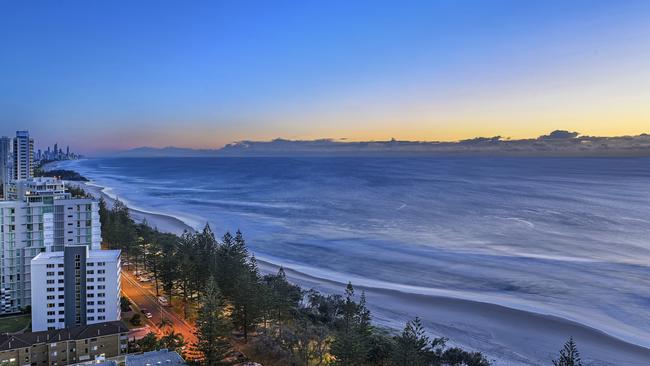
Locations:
(111, 75)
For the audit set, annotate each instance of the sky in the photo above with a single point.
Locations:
(109, 75)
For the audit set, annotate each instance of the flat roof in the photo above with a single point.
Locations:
(92, 254)
(155, 358)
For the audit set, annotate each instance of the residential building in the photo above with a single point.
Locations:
(23, 156)
(39, 216)
(6, 165)
(74, 287)
(65, 346)
(160, 357)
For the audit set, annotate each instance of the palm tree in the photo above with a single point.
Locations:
(164, 322)
(172, 341)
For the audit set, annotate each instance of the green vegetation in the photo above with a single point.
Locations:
(77, 191)
(125, 304)
(14, 324)
(136, 319)
(569, 355)
(171, 340)
(213, 326)
(60, 173)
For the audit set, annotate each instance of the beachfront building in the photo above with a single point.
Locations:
(23, 156)
(66, 346)
(75, 287)
(6, 164)
(39, 216)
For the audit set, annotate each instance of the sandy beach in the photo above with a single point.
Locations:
(507, 336)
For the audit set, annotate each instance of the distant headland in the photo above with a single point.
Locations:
(557, 143)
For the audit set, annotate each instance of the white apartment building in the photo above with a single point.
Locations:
(75, 287)
(39, 217)
(23, 156)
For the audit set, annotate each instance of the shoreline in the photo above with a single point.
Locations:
(507, 336)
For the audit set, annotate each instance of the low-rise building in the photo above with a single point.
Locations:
(160, 357)
(65, 346)
(74, 287)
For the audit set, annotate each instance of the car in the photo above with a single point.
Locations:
(163, 301)
(144, 279)
(146, 313)
(137, 273)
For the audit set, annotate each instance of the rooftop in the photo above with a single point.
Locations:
(108, 254)
(154, 358)
(13, 341)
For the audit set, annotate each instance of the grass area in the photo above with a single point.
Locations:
(14, 323)
(126, 318)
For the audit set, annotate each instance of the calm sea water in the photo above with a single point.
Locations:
(568, 237)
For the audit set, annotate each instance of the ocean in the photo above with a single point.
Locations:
(566, 237)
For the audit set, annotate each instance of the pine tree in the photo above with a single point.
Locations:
(569, 355)
(231, 262)
(246, 299)
(104, 220)
(212, 327)
(351, 344)
(282, 299)
(412, 347)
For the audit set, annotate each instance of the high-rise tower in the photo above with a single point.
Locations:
(23, 156)
(6, 164)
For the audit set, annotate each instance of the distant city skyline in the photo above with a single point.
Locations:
(120, 75)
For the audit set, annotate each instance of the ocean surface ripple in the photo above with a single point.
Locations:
(564, 237)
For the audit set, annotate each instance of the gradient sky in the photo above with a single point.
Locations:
(106, 75)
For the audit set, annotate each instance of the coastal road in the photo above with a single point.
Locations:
(146, 298)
